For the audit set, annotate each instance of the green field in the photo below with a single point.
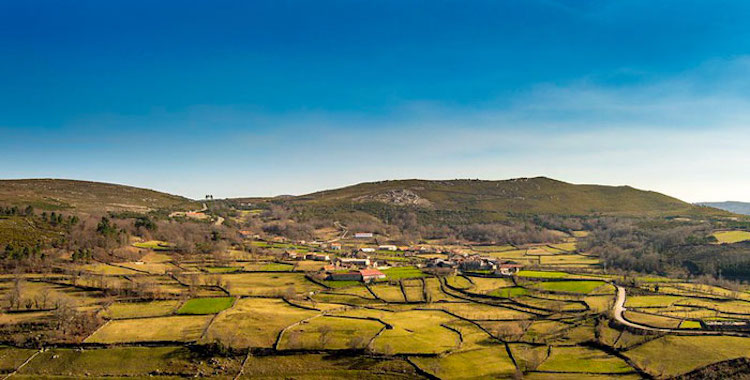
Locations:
(398, 273)
(159, 329)
(509, 292)
(198, 306)
(255, 322)
(685, 353)
(542, 274)
(331, 333)
(582, 287)
(412, 332)
(583, 360)
(731, 237)
(223, 269)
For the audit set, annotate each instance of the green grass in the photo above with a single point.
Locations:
(510, 292)
(222, 269)
(122, 310)
(254, 322)
(341, 284)
(731, 237)
(11, 358)
(198, 306)
(690, 325)
(324, 366)
(582, 287)
(413, 332)
(277, 267)
(397, 273)
(459, 282)
(674, 355)
(268, 284)
(160, 329)
(489, 362)
(340, 332)
(542, 274)
(583, 360)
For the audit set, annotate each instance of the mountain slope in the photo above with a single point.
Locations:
(731, 206)
(85, 196)
(516, 196)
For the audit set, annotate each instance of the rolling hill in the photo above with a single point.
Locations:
(495, 200)
(731, 206)
(87, 197)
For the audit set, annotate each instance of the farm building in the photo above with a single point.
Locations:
(336, 246)
(367, 249)
(371, 275)
(508, 269)
(345, 276)
(440, 263)
(363, 235)
(387, 248)
(360, 263)
(478, 263)
(317, 257)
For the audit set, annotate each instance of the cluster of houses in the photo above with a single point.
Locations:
(474, 263)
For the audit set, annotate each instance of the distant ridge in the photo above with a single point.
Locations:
(491, 200)
(731, 206)
(86, 196)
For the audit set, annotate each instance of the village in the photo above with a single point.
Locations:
(359, 262)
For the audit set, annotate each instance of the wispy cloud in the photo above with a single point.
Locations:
(686, 135)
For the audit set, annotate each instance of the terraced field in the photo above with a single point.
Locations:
(549, 321)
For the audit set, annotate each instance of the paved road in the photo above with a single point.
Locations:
(619, 308)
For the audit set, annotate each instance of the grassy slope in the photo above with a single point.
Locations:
(493, 200)
(84, 196)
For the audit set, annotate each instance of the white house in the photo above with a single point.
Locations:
(388, 247)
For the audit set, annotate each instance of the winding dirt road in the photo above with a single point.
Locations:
(619, 309)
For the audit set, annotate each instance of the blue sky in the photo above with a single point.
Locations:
(241, 98)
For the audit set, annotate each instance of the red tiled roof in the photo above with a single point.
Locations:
(371, 272)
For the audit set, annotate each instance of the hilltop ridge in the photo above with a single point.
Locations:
(86, 196)
(538, 195)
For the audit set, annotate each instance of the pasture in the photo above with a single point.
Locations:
(199, 306)
(731, 237)
(158, 329)
(125, 310)
(255, 322)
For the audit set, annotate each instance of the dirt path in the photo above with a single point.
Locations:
(343, 229)
(619, 309)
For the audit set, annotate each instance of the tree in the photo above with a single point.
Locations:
(146, 223)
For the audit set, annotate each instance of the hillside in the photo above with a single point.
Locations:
(493, 200)
(84, 196)
(731, 206)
